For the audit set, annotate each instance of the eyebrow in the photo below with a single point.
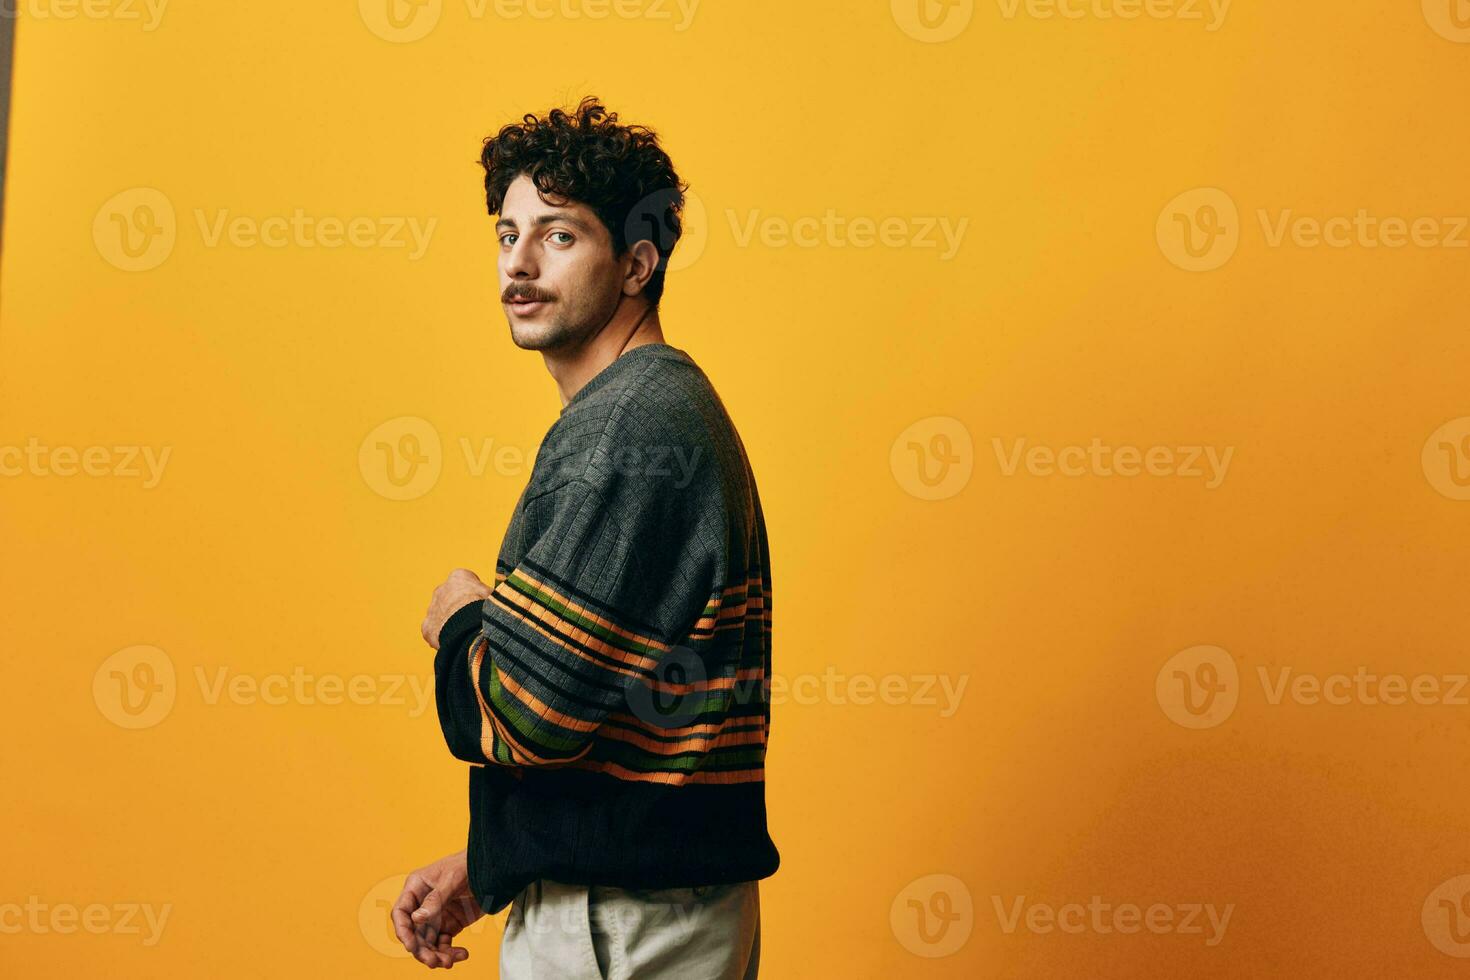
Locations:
(547, 219)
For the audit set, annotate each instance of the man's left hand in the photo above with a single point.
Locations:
(461, 588)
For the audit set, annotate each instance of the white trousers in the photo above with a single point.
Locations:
(558, 931)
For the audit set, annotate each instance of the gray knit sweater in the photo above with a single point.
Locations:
(612, 693)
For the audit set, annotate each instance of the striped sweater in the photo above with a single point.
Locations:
(611, 695)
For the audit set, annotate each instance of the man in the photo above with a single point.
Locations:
(610, 689)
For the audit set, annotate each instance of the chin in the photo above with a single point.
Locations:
(535, 336)
(540, 336)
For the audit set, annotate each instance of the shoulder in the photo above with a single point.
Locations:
(658, 393)
(646, 424)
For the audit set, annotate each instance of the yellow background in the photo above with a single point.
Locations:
(265, 547)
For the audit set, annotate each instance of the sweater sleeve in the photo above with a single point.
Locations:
(592, 611)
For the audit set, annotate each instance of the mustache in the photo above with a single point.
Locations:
(524, 292)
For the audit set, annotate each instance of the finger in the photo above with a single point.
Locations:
(403, 929)
(450, 954)
(428, 930)
(430, 907)
(428, 954)
(464, 578)
(443, 958)
(414, 890)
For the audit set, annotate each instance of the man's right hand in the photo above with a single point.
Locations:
(435, 905)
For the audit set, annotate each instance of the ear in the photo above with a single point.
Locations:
(642, 261)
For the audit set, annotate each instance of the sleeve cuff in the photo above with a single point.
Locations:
(464, 621)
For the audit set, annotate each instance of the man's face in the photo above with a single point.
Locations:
(559, 282)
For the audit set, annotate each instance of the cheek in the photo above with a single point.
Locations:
(572, 276)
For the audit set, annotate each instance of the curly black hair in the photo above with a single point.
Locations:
(620, 172)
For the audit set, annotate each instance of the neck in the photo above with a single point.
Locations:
(572, 367)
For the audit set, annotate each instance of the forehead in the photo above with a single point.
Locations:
(523, 203)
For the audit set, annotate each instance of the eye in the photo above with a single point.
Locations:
(508, 235)
(566, 236)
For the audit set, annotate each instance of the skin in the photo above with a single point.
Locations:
(435, 906)
(557, 250)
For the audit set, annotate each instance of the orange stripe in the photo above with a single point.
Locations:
(539, 626)
(487, 725)
(540, 708)
(519, 752)
(704, 687)
(753, 736)
(586, 613)
(671, 778)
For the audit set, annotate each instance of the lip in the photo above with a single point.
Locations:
(526, 308)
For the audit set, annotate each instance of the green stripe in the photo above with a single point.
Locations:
(567, 614)
(751, 756)
(518, 715)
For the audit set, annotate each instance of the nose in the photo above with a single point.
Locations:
(520, 261)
